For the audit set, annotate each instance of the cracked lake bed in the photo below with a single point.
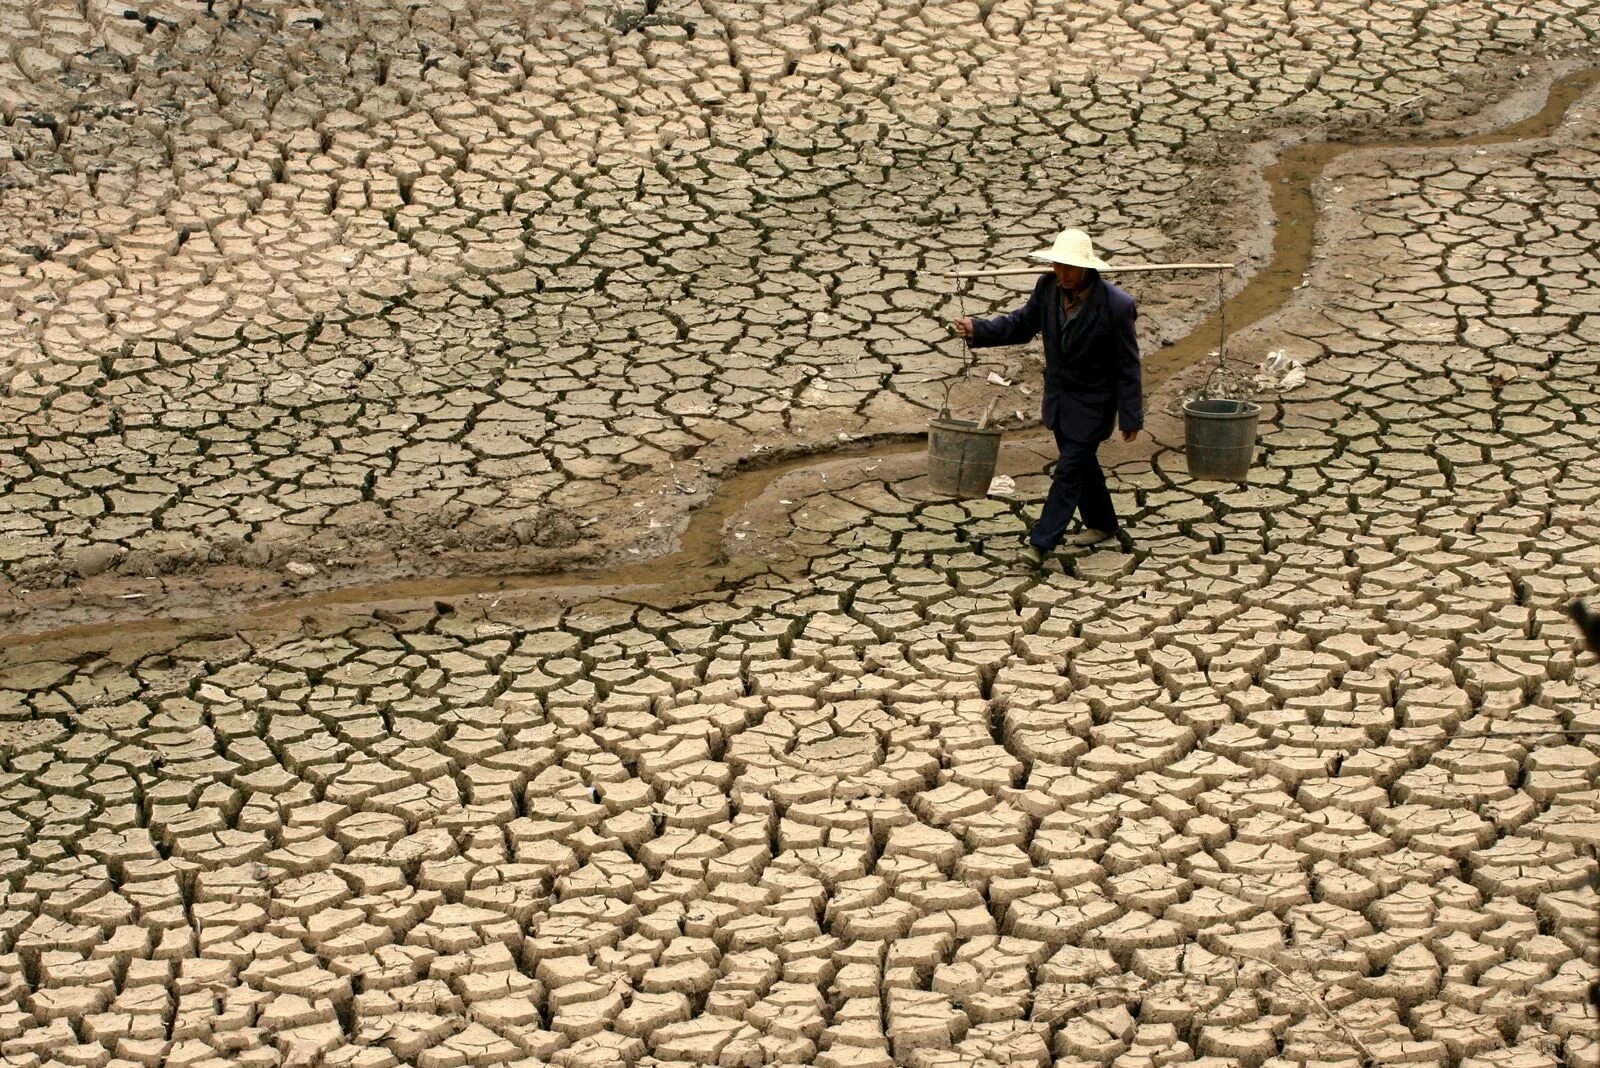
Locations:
(300, 298)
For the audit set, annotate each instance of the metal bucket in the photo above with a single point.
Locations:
(1220, 438)
(962, 457)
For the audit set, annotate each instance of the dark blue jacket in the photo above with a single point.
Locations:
(1099, 379)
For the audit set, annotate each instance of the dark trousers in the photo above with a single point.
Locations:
(1078, 485)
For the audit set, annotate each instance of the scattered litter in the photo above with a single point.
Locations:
(995, 379)
(1280, 373)
(846, 437)
(591, 521)
(295, 567)
(782, 501)
(125, 597)
(1002, 486)
(739, 535)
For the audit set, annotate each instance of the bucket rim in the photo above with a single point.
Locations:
(1246, 408)
(964, 426)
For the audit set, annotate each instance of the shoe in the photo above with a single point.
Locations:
(1090, 536)
(1028, 558)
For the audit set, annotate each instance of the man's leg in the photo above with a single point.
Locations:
(1065, 485)
(1094, 500)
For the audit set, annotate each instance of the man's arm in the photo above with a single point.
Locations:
(1130, 374)
(1012, 328)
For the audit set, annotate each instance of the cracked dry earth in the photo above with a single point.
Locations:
(294, 290)
(1285, 785)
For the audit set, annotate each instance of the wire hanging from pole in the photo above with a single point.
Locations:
(1222, 321)
(1220, 370)
(966, 351)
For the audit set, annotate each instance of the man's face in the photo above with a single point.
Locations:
(1070, 277)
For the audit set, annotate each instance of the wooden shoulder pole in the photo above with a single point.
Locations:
(995, 272)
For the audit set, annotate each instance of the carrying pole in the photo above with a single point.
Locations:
(996, 272)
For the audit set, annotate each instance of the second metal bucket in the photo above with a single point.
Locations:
(1220, 438)
(962, 457)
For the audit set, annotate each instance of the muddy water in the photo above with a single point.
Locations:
(1290, 181)
(700, 563)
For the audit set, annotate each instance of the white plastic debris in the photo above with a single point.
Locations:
(295, 567)
(1002, 486)
(1280, 372)
(995, 379)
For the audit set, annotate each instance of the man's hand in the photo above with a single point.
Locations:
(963, 326)
(1129, 435)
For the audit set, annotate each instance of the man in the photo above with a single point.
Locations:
(1091, 377)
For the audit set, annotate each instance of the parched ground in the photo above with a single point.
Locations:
(416, 287)
(1285, 785)
(1300, 779)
